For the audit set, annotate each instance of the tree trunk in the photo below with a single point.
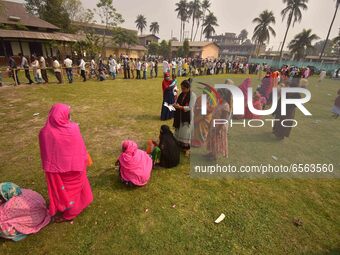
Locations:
(180, 36)
(329, 31)
(203, 20)
(284, 39)
(192, 27)
(198, 24)
(183, 38)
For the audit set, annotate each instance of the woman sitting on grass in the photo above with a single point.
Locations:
(64, 160)
(22, 212)
(134, 165)
(167, 151)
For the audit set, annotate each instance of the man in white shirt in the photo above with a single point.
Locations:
(57, 70)
(138, 68)
(112, 67)
(145, 69)
(82, 67)
(24, 64)
(68, 64)
(43, 69)
(174, 66)
(152, 66)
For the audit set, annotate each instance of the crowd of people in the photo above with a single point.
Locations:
(135, 68)
(65, 158)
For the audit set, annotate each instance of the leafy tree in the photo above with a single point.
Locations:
(301, 43)
(154, 28)
(263, 29)
(293, 10)
(141, 23)
(53, 11)
(74, 8)
(153, 48)
(121, 36)
(109, 17)
(186, 48)
(209, 25)
(243, 35)
(165, 49)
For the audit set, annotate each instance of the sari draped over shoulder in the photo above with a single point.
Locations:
(64, 160)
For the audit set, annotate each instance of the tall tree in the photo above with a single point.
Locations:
(209, 25)
(74, 8)
(121, 36)
(141, 23)
(199, 15)
(182, 14)
(153, 48)
(330, 27)
(53, 11)
(293, 10)
(154, 28)
(263, 28)
(205, 7)
(301, 43)
(186, 48)
(194, 8)
(109, 17)
(243, 35)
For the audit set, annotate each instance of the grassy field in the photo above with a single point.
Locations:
(121, 220)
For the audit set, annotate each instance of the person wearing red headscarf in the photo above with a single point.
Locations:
(64, 160)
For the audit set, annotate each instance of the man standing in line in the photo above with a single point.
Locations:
(152, 67)
(57, 70)
(68, 64)
(138, 68)
(156, 68)
(173, 65)
(165, 66)
(82, 67)
(43, 69)
(24, 64)
(14, 70)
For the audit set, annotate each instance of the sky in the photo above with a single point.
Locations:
(232, 15)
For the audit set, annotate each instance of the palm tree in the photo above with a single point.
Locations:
(154, 28)
(199, 15)
(194, 8)
(182, 14)
(205, 7)
(140, 23)
(263, 29)
(301, 43)
(330, 28)
(209, 24)
(293, 9)
(243, 35)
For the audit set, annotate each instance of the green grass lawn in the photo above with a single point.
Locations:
(259, 212)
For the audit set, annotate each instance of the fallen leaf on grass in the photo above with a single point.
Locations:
(275, 158)
(36, 114)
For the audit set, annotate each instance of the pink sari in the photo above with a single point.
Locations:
(135, 164)
(25, 213)
(64, 160)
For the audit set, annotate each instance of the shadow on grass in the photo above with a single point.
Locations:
(266, 137)
(109, 178)
(145, 117)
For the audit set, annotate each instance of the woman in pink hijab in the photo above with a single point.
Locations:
(135, 165)
(64, 160)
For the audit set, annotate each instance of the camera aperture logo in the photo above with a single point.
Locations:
(238, 105)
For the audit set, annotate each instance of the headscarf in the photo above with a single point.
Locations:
(135, 164)
(166, 83)
(244, 87)
(62, 147)
(9, 190)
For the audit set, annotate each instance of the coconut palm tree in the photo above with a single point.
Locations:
(209, 24)
(194, 9)
(243, 35)
(330, 27)
(302, 43)
(293, 10)
(154, 28)
(199, 15)
(140, 23)
(263, 30)
(182, 14)
(205, 7)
